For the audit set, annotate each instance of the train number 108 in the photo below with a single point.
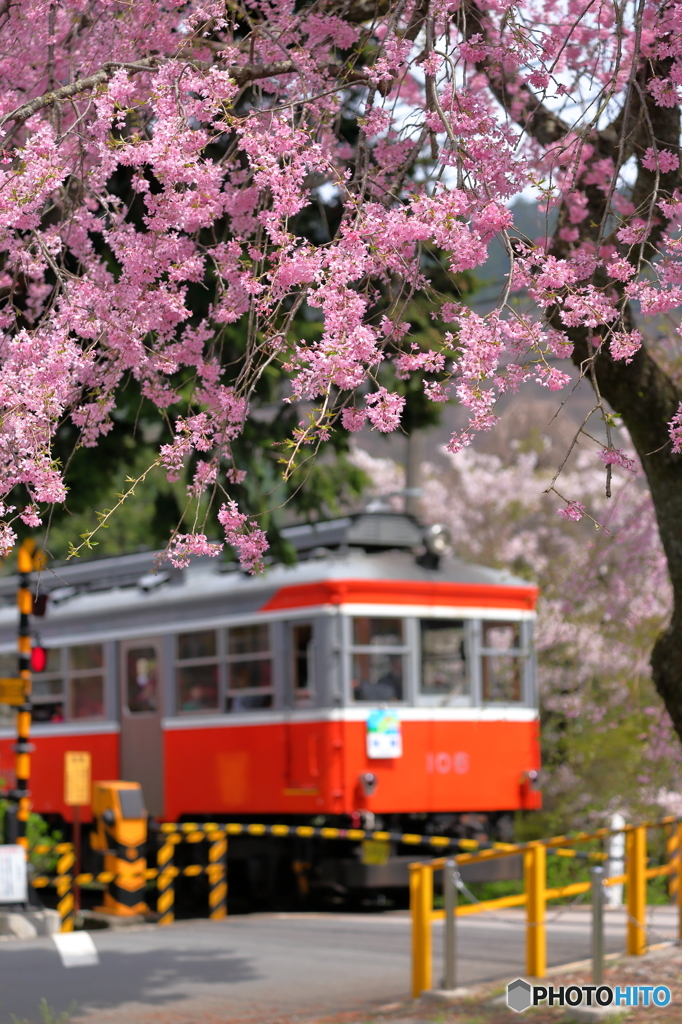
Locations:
(442, 762)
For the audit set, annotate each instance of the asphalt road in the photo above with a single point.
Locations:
(269, 967)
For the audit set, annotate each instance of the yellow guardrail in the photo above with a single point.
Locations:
(536, 894)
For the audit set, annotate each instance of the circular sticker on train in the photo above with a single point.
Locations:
(384, 738)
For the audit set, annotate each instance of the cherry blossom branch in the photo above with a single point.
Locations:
(107, 513)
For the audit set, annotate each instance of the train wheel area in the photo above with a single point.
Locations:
(288, 873)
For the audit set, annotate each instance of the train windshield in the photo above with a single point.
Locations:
(443, 659)
(378, 657)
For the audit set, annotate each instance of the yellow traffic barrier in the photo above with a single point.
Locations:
(193, 832)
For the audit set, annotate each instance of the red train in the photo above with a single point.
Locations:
(372, 680)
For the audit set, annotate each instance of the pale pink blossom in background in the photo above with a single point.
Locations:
(604, 593)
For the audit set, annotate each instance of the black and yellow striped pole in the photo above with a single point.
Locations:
(64, 885)
(21, 793)
(217, 876)
(165, 884)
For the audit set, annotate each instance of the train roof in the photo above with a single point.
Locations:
(367, 558)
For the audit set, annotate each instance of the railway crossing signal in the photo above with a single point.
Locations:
(21, 793)
(17, 692)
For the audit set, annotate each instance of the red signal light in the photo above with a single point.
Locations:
(38, 659)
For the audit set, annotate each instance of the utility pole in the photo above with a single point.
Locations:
(21, 793)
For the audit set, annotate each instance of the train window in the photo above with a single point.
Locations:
(86, 681)
(443, 664)
(377, 632)
(52, 711)
(248, 639)
(249, 678)
(88, 656)
(501, 662)
(303, 662)
(378, 660)
(501, 636)
(142, 679)
(197, 671)
(48, 689)
(197, 645)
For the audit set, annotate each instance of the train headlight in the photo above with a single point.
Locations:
(436, 539)
(532, 779)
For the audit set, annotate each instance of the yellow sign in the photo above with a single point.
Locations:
(77, 778)
(12, 691)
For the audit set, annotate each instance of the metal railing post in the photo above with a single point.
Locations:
(535, 873)
(450, 949)
(421, 906)
(636, 883)
(597, 874)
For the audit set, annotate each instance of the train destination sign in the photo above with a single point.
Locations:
(12, 691)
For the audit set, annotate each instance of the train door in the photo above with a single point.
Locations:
(303, 747)
(303, 664)
(141, 710)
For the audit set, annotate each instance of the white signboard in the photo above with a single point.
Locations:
(384, 738)
(13, 885)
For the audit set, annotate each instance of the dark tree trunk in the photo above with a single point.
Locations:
(646, 399)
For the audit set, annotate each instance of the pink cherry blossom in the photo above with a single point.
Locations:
(184, 545)
(574, 510)
(624, 345)
(353, 419)
(384, 409)
(661, 159)
(617, 457)
(249, 541)
(153, 154)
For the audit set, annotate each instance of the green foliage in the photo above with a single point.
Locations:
(38, 833)
(48, 1015)
(607, 756)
